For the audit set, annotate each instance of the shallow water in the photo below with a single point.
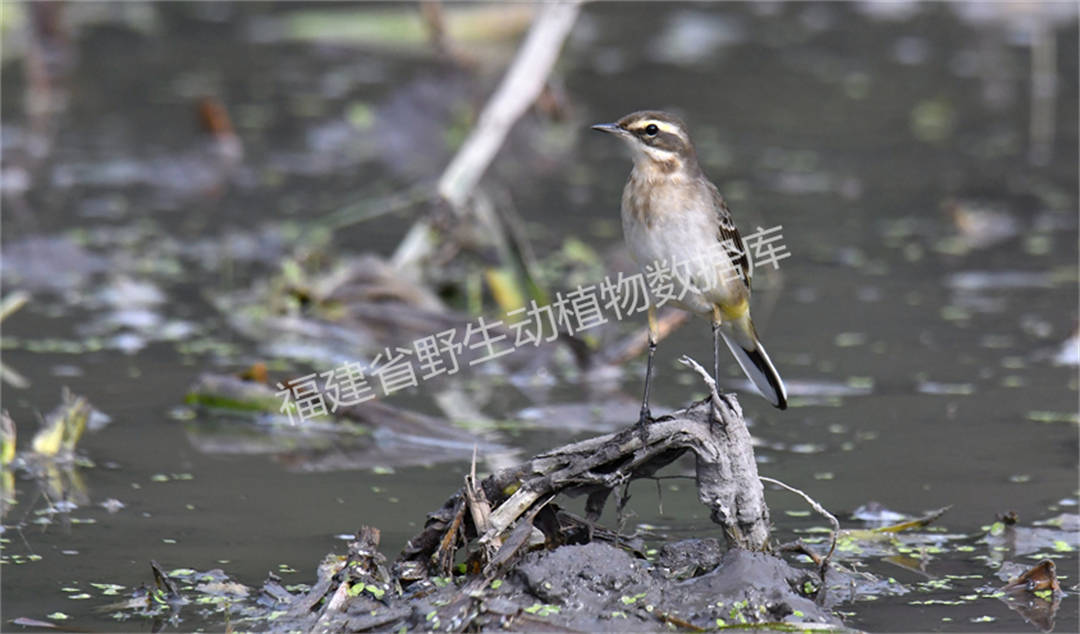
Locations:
(919, 321)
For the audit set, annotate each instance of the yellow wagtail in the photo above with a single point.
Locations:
(671, 213)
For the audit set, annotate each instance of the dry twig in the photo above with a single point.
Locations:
(823, 562)
(726, 475)
(520, 86)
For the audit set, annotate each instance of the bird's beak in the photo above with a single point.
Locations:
(608, 127)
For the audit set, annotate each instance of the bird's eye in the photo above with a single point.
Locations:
(651, 129)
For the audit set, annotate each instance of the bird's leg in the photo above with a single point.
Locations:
(716, 352)
(716, 323)
(646, 415)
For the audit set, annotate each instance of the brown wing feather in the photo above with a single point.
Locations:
(728, 231)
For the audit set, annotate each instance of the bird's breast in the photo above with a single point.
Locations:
(668, 229)
(663, 219)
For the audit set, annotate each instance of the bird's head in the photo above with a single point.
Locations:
(658, 140)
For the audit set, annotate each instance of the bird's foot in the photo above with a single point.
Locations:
(719, 416)
(726, 399)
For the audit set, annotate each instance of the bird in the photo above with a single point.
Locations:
(671, 212)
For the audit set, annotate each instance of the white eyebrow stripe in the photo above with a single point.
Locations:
(663, 126)
(669, 128)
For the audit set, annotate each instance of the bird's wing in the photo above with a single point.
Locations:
(728, 231)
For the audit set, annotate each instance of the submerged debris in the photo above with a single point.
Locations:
(1035, 595)
(1038, 579)
(63, 427)
(51, 462)
(373, 434)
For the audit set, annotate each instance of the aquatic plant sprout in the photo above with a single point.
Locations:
(398, 368)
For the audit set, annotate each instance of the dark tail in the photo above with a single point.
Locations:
(755, 363)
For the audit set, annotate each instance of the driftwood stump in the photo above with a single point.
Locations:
(713, 429)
